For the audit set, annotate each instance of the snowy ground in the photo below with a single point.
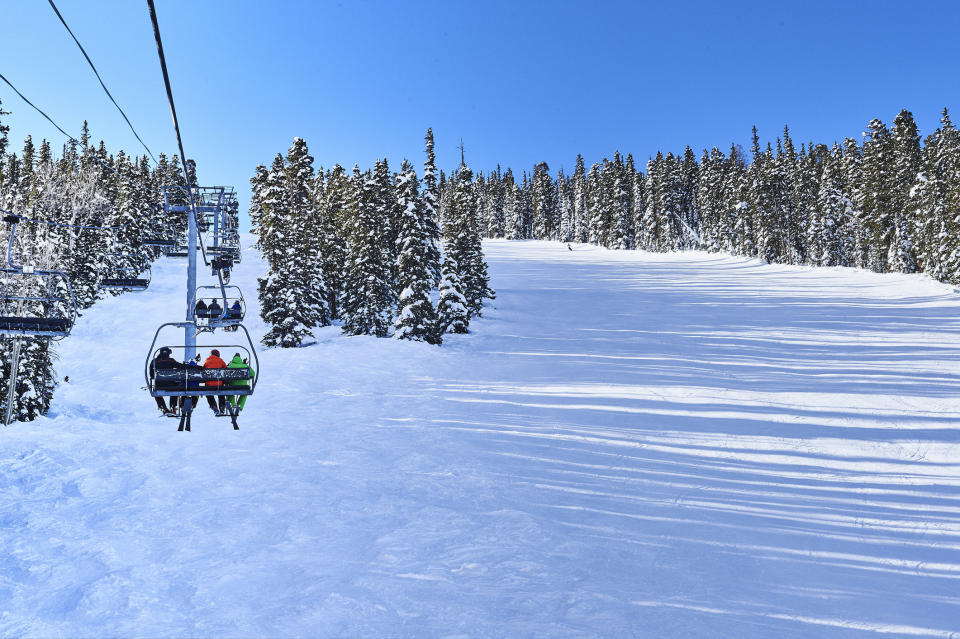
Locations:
(629, 444)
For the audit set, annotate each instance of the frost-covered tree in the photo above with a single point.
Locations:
(368, 299)
(452, 314)
(281, 306)
(417, 317)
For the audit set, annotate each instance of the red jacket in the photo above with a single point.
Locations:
(214, 362)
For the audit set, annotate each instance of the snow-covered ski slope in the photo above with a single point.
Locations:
(628, 445)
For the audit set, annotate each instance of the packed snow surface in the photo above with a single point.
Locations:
(627, 444)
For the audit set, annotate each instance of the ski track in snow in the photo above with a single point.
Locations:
(627, 445)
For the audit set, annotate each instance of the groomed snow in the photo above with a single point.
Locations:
(628, 444)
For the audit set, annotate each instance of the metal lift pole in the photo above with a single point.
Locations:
(12, 384)
(190, 331)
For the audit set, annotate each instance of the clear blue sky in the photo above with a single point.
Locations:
(520, 82)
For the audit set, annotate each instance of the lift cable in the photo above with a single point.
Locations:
(106, 90)
(75, 140)
(176, 123)
(93, 227)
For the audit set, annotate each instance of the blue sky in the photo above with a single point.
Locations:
(520, 82)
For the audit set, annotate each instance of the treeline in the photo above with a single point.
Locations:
(73, 189)
(889, 203)
(369, 250)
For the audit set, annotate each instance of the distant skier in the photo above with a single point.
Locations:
(238, 401)
(217, 403)
(569, 248)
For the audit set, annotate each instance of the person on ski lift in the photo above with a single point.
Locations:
(239, 362)
(201, 309)
(214, 309)
(163, 361)
(235, 311)
(193, 363)
(217, 403)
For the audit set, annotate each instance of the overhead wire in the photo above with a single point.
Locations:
(176, 122)
(22, 217)
(75, 140)
(97, 73)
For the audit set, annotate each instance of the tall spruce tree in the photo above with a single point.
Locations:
(368, 302)
(417, 317)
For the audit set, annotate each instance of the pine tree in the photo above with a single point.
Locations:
(452, 314)
(544, 205)
(581, 223)
(281, 306)
(368, 302)
(305, 237)
(564, 198)
(417, 318)
(827, 229)
(855, 239)
(462, 241)
(431, 213)
(905, 152)
(334, 227)
(513, 225)
(877, 197)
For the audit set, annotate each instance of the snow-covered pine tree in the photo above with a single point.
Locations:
(368, 299)
(639, 206)
(652, 217)
(689, 205)
(306, 238)
(511, 207)
(710, 199)
(334, 226)
(544, 204)
(431, 214)
(280, 304)
(581, 225)
(416, 317)
(495, 215)
(905, 158)
(452, 314)
(855, 238)
(564, 197)
(462, 241)
(765, 182)
(877, 202)
(827, 228)
(739, 215)
(622, 204)
(671, 205)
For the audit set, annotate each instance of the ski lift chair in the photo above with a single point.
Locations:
(229, 311)
(188, 381)
(159, 242)
(128, 279)
(36, 303)
(179, 250)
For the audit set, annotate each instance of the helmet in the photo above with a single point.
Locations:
(166, 351)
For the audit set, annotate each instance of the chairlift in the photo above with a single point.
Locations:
(34, 302)
(128, 279)
(179, 379)
(159, 242)
(219, 307)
